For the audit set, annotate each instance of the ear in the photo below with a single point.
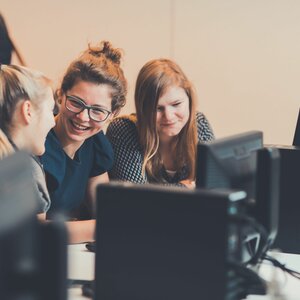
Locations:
(27, 111)
(58, 94)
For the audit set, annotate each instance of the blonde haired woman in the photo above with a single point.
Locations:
(26, 116)
(158, 145)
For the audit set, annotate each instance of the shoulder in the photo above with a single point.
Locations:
(100, 142)
(53, 159)
(99, 153)
(123, 130)
(122, 124)
(204, 130)
(42, 191)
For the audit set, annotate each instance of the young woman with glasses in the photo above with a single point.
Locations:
(78, 155)
(159, 143)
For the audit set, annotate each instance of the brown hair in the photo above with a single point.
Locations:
(100, 65)
(153, 80)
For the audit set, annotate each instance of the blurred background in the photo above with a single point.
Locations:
(243, 56)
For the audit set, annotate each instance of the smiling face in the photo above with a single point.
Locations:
(172, 112)
(77, 127)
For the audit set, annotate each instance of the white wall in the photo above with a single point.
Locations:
(242, 55)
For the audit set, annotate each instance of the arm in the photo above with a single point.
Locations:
(128, 157)
(81, 231)
(204, 130)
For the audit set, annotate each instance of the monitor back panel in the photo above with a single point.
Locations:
(160, 245)
(288, 237)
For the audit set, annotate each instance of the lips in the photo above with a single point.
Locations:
(168, 124)
(79, 127)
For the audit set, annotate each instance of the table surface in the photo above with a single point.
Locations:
(81, 264)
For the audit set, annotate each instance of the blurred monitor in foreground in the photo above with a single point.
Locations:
(156, 242)
(32, 255)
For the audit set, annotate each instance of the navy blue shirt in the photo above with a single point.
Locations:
(67, 178)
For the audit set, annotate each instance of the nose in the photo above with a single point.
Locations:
(168, 114)
(84, 115)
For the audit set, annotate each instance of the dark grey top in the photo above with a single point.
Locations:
(40, 187)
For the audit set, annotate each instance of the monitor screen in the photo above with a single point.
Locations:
(32, 255)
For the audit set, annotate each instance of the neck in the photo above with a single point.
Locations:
(166, 150)
(69, 147)
(166, 143)
(19, 140)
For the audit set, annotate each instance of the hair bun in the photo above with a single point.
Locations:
(105, 48)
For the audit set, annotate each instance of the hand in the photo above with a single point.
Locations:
(190, 184)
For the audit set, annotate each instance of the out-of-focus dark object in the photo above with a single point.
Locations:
(32, 254)
(296, 140)
(157, 242)
(91, 246)
(7, 46)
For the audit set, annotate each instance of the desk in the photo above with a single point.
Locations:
(81, 266)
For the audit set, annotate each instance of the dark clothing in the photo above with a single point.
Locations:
(6, 46)
(67, 178)
(123, 135)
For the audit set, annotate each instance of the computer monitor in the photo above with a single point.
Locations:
(296, 140)
(229, 162)
(32, 255)
(156, 242)
(241, 162)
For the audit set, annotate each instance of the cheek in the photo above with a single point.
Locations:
(98, 126)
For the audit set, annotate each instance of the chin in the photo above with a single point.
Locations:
(39, 151)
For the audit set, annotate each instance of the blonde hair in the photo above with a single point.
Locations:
(17, 84)
(6, 148)
(153, 80)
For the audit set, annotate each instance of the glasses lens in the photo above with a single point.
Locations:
(98, 114)
(74, 105)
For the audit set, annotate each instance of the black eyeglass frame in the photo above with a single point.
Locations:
(85, 106)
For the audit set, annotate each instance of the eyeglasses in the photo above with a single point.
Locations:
(77, 105)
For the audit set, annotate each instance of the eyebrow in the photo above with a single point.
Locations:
(174, 101)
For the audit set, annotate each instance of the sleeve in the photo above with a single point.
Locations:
(40, 187)
(103, 155)
(204, 130)
(128, 161)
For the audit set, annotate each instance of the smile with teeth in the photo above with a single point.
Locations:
(78, 126)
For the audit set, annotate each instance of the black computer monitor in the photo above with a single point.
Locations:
(156, 242)
(32, 255)
(296, 140)
(241, 162)
(229, 162)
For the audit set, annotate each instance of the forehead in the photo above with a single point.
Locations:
(173, 93)
(93, 94)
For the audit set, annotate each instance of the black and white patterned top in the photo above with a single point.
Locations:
(128, 157)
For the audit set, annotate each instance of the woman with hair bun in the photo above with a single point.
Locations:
(78, 155)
